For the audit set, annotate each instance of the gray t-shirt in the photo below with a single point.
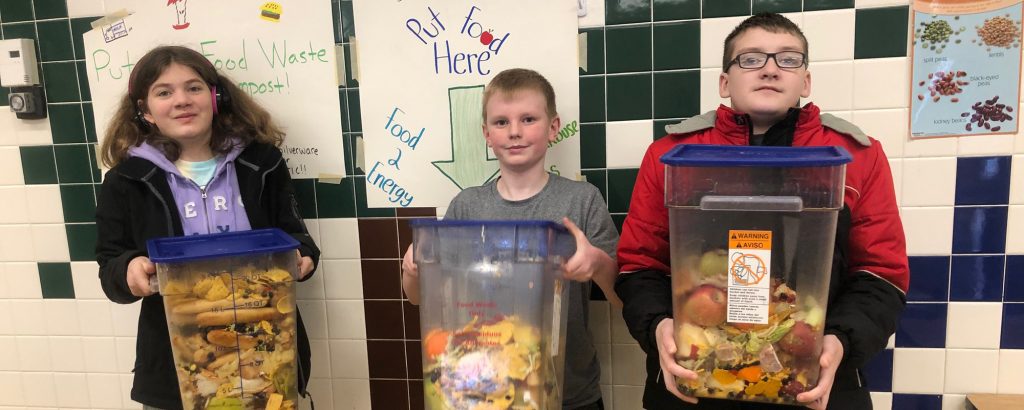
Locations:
(583, 204)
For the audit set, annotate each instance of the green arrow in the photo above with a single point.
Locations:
(470, 165)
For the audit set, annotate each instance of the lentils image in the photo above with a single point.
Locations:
(1000, 31)
(988, 112)
(944, 83)
(935, 34)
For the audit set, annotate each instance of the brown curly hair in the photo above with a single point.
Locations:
(241, 121)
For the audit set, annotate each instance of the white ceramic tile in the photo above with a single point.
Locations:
(33, 353)
(100, 354)
(831, 88)
(918, 370)
(85, 8)
(8, 137)
(600, 325)
(343, 279)
(627, 142)
(712, 37)
(322, 392)
(44, 204)
(33, 132)
(73, 391)
(880, 83)
(11, 393)
(346, 319)
(954, 402)
(1015, 226)
(61, 317)
(829, 34)
(22, 280)
(1016, 179)
(13, 204)
(627, 397)
(971, 370)
(863, 4)
(888, 126)
(8, 354)
(595, 15)
(1011, 372)
(6, 322)
(313, 227)
(930, 147)
(126, 392)
(929, 230)
(339, 238)
(881, 401)
(29, 320)
(125, 319)
(628, 365)
(104, 391)
(10, 166)
(985, 145)
(1018, 146)
(349, 359)
(50, 242)
(929, 181)
(66, 354)
(125, 348)
(85, 276)
(973, 325)
(604, 357)
(314, 317)
(322, 352)
(312, 288)
(351, 394)
(94, 318)
(620, 333)
(709, 97)
(896, 167)
(39, 389)
(13, 244)
(3, 281)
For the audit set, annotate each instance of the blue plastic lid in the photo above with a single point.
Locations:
(698, 155)
(427, 222)
(196, 247)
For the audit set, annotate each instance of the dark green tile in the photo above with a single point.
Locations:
(305, 195)
(812, 5)
(66, 123)
(676, 94)
(881, 32)
(37, 165)
(595, 51)
(725, 8)
(677, 45)
(83, 81)
(4, 92)
(15, 10)
(336, 200)
(81, 241)
(343, 106)
(362, 210)
(775, 6)
(620, 188)
(79, 203)
(659, 127)
(626, 11)
(348, 22)
(73, 165)
(592, 99)
(598, 178)
(61, 81)
(336, 20)
(676, 10)
(351, 82)
(55, 40)
(21, 30)
(50, 9)
(55, 280)
(629, 97)
(90, 122)
(78, 27)
(619, 219)
(349, 142)
(354, 117)
(629, 49)
(94, 163)
(593, 146)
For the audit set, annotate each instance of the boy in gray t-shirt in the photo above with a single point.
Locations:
(519, 122)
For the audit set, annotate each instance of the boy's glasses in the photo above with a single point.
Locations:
(783, 59)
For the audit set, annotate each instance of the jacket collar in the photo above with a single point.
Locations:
(254, 157)
(735, 126)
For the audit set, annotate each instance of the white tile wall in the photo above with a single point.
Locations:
(67, 354)
(929, 181)
(1015, 230)
(880, 83)
(346, 319)
(343, 279)
(85, 277)
(971, 370)
(351, 394)
(61, 317)
(929, 231)
(13, 204)
(22, 281)
(888, 126)
(73, 391)
(831, 88)
(626, 142)
(349, 360)
(974, 325)
(339, 238)
(828, 29)
(1011, 372)
(918, 370)
(33, 353)
(39, 389)
(50, 242)
(44, 204)
(104, 391)
(1017, 174)
(983, 145)
(85, 8)
(10, 166)
(8, 354)
(29, 321)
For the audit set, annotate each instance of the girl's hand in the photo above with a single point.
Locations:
(305, 265)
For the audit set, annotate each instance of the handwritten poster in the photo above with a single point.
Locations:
(966, 67)
(423, 65)
(280, 53)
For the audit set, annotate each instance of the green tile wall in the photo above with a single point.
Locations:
(55, 279)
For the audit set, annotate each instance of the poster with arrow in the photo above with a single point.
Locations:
(422, 69)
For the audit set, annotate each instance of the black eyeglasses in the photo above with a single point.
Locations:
(756, 59)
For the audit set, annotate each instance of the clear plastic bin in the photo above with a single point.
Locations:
(752, 232)
(492, 313)
(230, 305)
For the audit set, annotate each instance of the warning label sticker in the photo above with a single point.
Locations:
(750, 261)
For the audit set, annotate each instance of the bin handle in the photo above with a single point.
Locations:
(751, 203)
(154, 284)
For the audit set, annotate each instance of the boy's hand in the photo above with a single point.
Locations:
(305, 265)
(584, 263)
(671, 370)
(831, 355)
(409, 267)
(140, 269)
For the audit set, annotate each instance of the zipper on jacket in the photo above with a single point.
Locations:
(206, 209)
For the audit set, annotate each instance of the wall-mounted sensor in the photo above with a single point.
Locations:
(18, 63)
(27, 103)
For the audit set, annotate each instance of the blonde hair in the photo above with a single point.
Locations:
(241, 120)
(513, 80)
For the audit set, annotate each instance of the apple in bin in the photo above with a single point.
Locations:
(800, 340)
(706, 306)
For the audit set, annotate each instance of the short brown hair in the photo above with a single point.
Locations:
(770, 22)
(513, 80)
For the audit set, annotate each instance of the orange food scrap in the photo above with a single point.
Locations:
(723, 377)
(750, 373)
(436, 342)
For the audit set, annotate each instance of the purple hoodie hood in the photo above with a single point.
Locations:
(218, 208)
